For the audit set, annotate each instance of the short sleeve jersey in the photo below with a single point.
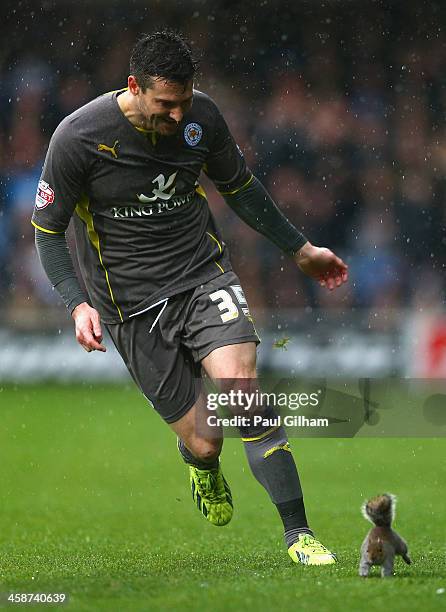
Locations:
(144, 231)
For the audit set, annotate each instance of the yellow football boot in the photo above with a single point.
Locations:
(309, 551)
(212, 494)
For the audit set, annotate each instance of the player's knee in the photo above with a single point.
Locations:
(205, 450)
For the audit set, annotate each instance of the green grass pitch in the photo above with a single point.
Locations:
(95, 502)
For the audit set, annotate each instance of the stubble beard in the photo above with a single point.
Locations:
(163, 126)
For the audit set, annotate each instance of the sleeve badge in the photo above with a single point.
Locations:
(44, 195)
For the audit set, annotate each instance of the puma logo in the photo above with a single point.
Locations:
(112, 150)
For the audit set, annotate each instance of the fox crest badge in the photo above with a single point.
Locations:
(193, 133)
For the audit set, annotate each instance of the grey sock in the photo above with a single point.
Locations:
(272, 463)
(190, 459)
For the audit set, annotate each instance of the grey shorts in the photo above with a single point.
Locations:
(163, 347)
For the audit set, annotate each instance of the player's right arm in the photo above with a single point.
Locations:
(60, 188)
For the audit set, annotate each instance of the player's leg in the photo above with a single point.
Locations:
(198, 447)
(200, 450)
(166, 374)
(269, 454)
(220, 335)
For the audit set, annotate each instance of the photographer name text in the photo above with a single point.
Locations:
(289, 420)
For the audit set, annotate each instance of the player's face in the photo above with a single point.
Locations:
(164, 104)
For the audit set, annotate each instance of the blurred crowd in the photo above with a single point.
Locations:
(339, 111)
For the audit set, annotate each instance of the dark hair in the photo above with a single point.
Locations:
(164, 54)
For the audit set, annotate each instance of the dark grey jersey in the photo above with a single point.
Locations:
(144, 231)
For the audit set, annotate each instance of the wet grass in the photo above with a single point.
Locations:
(95, 503)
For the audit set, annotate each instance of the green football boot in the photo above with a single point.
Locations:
(212, 494)
(309, 551)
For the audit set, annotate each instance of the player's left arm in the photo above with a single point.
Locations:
(254, 205)
(247, 197)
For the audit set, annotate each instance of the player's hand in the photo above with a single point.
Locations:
(88, 327)
(323, 265)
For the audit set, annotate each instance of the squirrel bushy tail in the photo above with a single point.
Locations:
(380, 510)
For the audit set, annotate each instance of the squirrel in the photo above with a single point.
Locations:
(382, 543)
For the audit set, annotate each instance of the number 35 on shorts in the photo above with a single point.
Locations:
(226, 305)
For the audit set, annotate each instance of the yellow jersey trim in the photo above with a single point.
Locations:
(109, 93)
(238, 188)
(86, 216)
(201, 191)
(144, 131)
(220, 248)
(215, 240)
(47, 231)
